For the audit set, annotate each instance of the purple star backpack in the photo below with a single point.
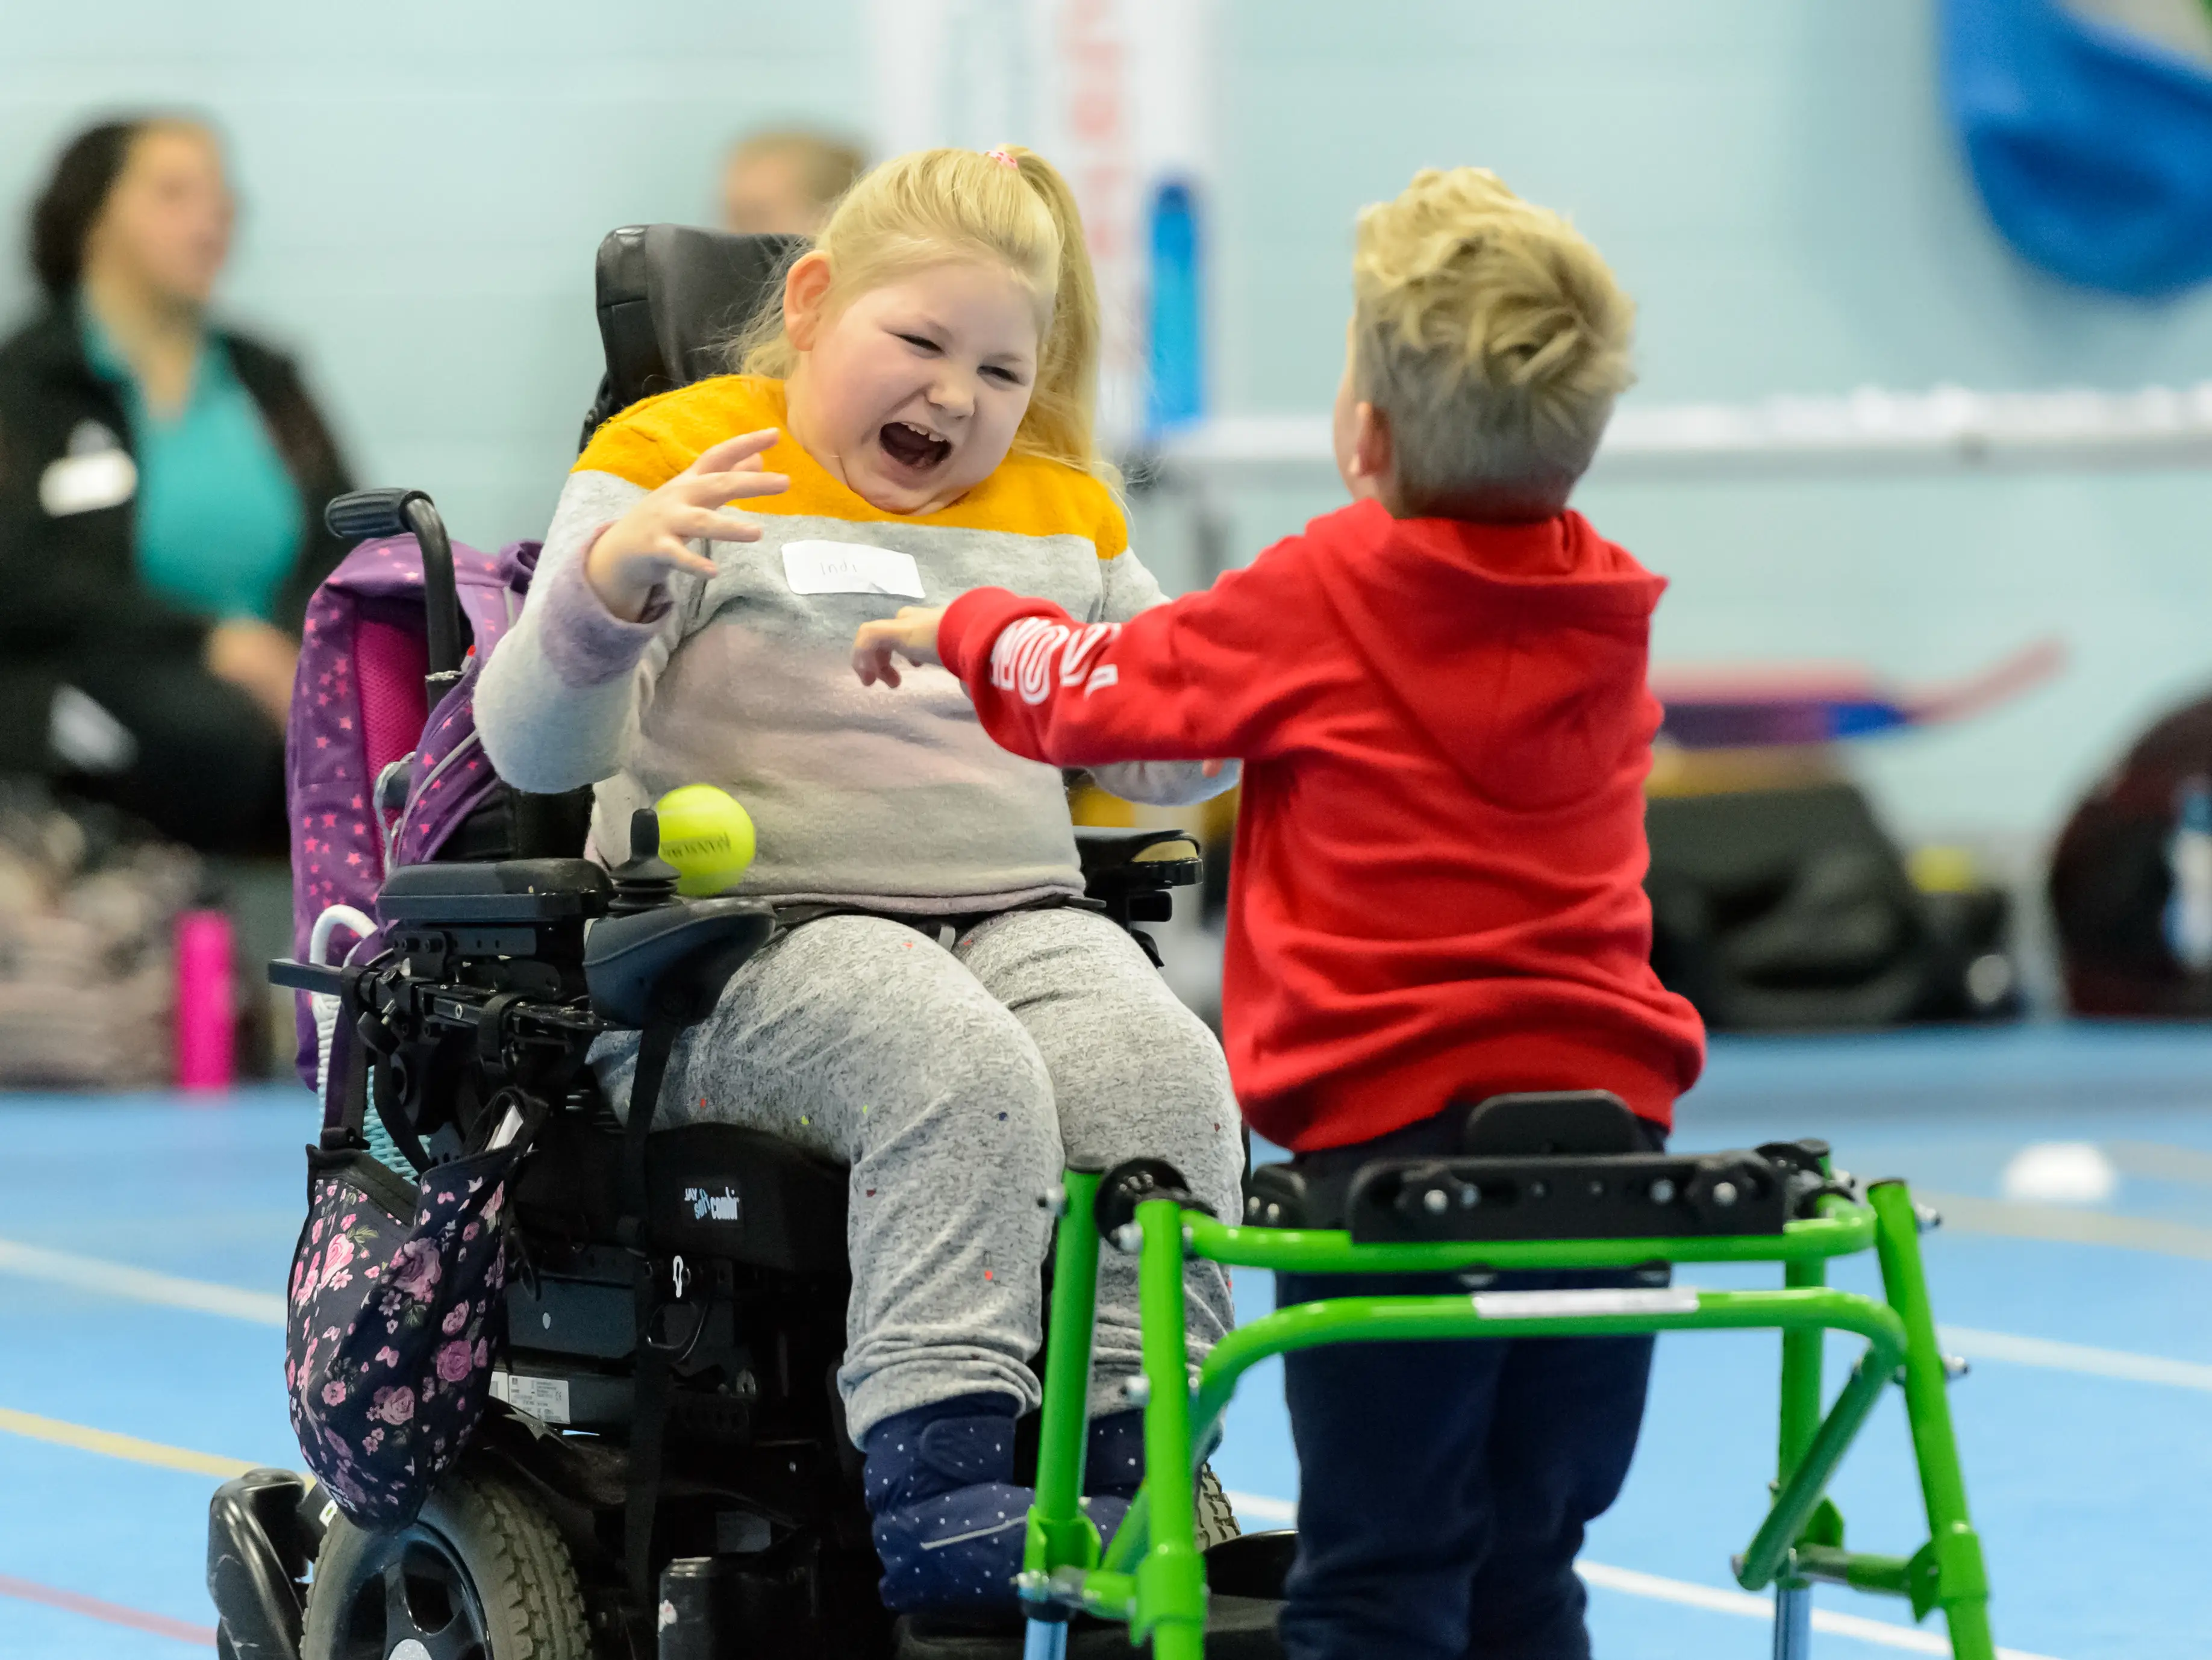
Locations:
(374, 776)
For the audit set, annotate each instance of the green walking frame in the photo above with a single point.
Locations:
(1152, 1576)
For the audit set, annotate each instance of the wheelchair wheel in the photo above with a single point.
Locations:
(1216, 1516)
(482, 1574)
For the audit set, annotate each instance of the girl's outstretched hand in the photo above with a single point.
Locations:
(911, 635)
(637, 553)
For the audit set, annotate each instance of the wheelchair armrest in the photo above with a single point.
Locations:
(512, 892)
(672, 960)
(1113, 854)
(326, 978)
(1131, 871)
(1120, 862)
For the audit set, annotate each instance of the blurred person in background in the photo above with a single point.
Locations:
(783, 181)
(162, 482)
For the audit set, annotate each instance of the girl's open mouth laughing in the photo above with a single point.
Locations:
(914, 449)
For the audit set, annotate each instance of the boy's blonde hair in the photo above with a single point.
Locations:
(1492, 335)
(931, 206)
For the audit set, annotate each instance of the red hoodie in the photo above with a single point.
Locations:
(1436, 893)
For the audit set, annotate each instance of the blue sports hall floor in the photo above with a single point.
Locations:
(143, 1242)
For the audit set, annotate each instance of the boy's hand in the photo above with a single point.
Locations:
(636, 553)
(911, 635)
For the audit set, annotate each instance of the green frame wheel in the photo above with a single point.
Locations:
(1153, 1576)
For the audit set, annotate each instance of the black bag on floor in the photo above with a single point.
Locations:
(2112, 878)
(1789, 907)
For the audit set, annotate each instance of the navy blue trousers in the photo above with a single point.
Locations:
(1445, 1487)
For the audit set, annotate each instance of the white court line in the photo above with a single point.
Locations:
(2017, 1220)
(2159, 1162)
(2054, 1356)
(1711, 1598)
(60, 1268)
(1882, 1632)
(268, 1309)
(1261, 1508)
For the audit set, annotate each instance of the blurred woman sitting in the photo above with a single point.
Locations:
(161, 491)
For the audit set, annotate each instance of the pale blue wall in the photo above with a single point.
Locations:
(1774, 182)
(1771, 178)
(425, 187)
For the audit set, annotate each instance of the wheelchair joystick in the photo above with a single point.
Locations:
(647, 882)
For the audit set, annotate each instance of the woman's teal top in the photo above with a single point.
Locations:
(219, 517)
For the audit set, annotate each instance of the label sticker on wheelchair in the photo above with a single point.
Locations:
(850, 567)
(714, 1204)
(545, 1399)
(1573, 1304)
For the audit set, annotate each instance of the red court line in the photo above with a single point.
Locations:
(113, 1613)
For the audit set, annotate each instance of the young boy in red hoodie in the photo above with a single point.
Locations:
(1438, 697)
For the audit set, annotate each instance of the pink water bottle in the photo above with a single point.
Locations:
(206, 1004)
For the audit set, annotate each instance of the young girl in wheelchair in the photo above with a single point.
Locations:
(942, 1012)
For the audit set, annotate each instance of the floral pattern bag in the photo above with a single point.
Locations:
(396, 1320)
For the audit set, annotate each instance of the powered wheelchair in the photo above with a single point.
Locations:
(665, 1469)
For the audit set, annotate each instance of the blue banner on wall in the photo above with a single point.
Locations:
(2092, 145)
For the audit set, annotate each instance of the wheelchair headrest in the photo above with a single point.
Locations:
(670, 297)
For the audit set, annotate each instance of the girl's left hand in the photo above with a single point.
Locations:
(911, 635)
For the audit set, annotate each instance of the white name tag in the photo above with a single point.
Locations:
(1567, 1304)
(86, 483)
(545, 1399)
(850, 567)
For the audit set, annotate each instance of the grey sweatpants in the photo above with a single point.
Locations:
(957, 1084)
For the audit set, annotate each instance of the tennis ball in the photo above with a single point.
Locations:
(708, 836)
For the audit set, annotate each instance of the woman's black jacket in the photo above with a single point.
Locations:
(69, 585)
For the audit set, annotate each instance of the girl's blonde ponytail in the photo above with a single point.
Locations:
(929, 206)
(1064, 404)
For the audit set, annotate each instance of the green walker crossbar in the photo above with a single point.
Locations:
(1153, 1576)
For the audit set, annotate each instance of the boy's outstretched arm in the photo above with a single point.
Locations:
(1212, 675)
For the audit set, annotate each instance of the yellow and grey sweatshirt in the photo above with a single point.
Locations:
(894, 799)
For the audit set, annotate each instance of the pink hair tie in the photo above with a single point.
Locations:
(1003, 160)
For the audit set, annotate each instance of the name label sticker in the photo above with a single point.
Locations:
(850, 567)
(1573, 1305)
(86, 483)
(545, 1399)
